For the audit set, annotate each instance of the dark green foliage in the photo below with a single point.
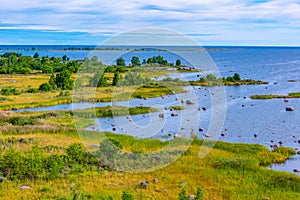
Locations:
(135, 61)
(236, 77)
(157, 60)
(182, 195)
(109, 149)
(63, 80)
(10, 91)
(102, 81)
(52, 82)
(45, 87)
(33, 165)
(22, 121)
(32, 90)
(134, 79)
(55, 164)
(120, 62)
(116, 78)
(127, 196)
(76, 152)
(11, 63)
(178, 63)
(36, 55)
(12, 164)
(199, 194)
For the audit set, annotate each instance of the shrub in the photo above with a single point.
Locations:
(76, 152)
(10, 91)
(127, 196)
(46, 87)
(32, 90)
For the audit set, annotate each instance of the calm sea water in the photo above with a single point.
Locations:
(244, 117)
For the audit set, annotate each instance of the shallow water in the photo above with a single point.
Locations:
(244, 116)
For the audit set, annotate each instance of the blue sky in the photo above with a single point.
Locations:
(209, 22)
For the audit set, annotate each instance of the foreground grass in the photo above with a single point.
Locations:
(230, 171)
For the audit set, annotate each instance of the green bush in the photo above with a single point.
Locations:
(76, 152)
(127, 196)
(32, 90)
(10, 91)
(46, 87)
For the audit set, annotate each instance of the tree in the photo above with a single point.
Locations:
(76, 152)
(211, 77)
(135, 61)
(102, 81)
(52, 82)
(64, 58)
(236, 77)
(46, 87)
(178, 63)
(36, 55)
(121, 62)
(63, 80)
(116, 78)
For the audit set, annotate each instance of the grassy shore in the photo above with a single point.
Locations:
(275, 96)
(227, 83)
(230, 171)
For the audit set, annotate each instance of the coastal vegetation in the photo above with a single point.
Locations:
(212, 80)
(276, 96)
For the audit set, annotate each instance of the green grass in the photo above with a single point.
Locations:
(272, 96)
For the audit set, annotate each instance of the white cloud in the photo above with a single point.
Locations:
(225, 17)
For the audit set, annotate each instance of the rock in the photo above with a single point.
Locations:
(226, 129)
(204, 109)
(2, 179)
(174, 114)
(155, 180)
(191, 196)
(222, 134)
(280, 142)
(255, 135)
(171, 109)
(286, 101)
(290, 108)
(94, 145)
(189, 102)
(272, 141)
(298, 152)
(145, 98)
(161, 115)
(199, 108)
(114, 129)
(243, 105)
(24, 187)
(144, 183)
(182, 101)
(299, 141)
(14, 108)
(296, 170)
(201, 129)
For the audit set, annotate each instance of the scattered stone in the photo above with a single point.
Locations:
(2, 179)
(114, 129)
(189, 102)
(298, 152)
(144, 183)
(24, 187)
(201, 129)
(290, 108)
(272, 141)
(155, 180)
(191, 196)
(280, 142)
(174, 114)
(171, 109)
(255, 135)
(161, 115)
(145, 98)
(94, 145)
(182, 101)
(204, 109)
(199, 108)
(222, 134)
(243, 105)
(226, 129)
(296, 170)
(286, 101)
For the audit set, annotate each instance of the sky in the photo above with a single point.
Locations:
(208, 22)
